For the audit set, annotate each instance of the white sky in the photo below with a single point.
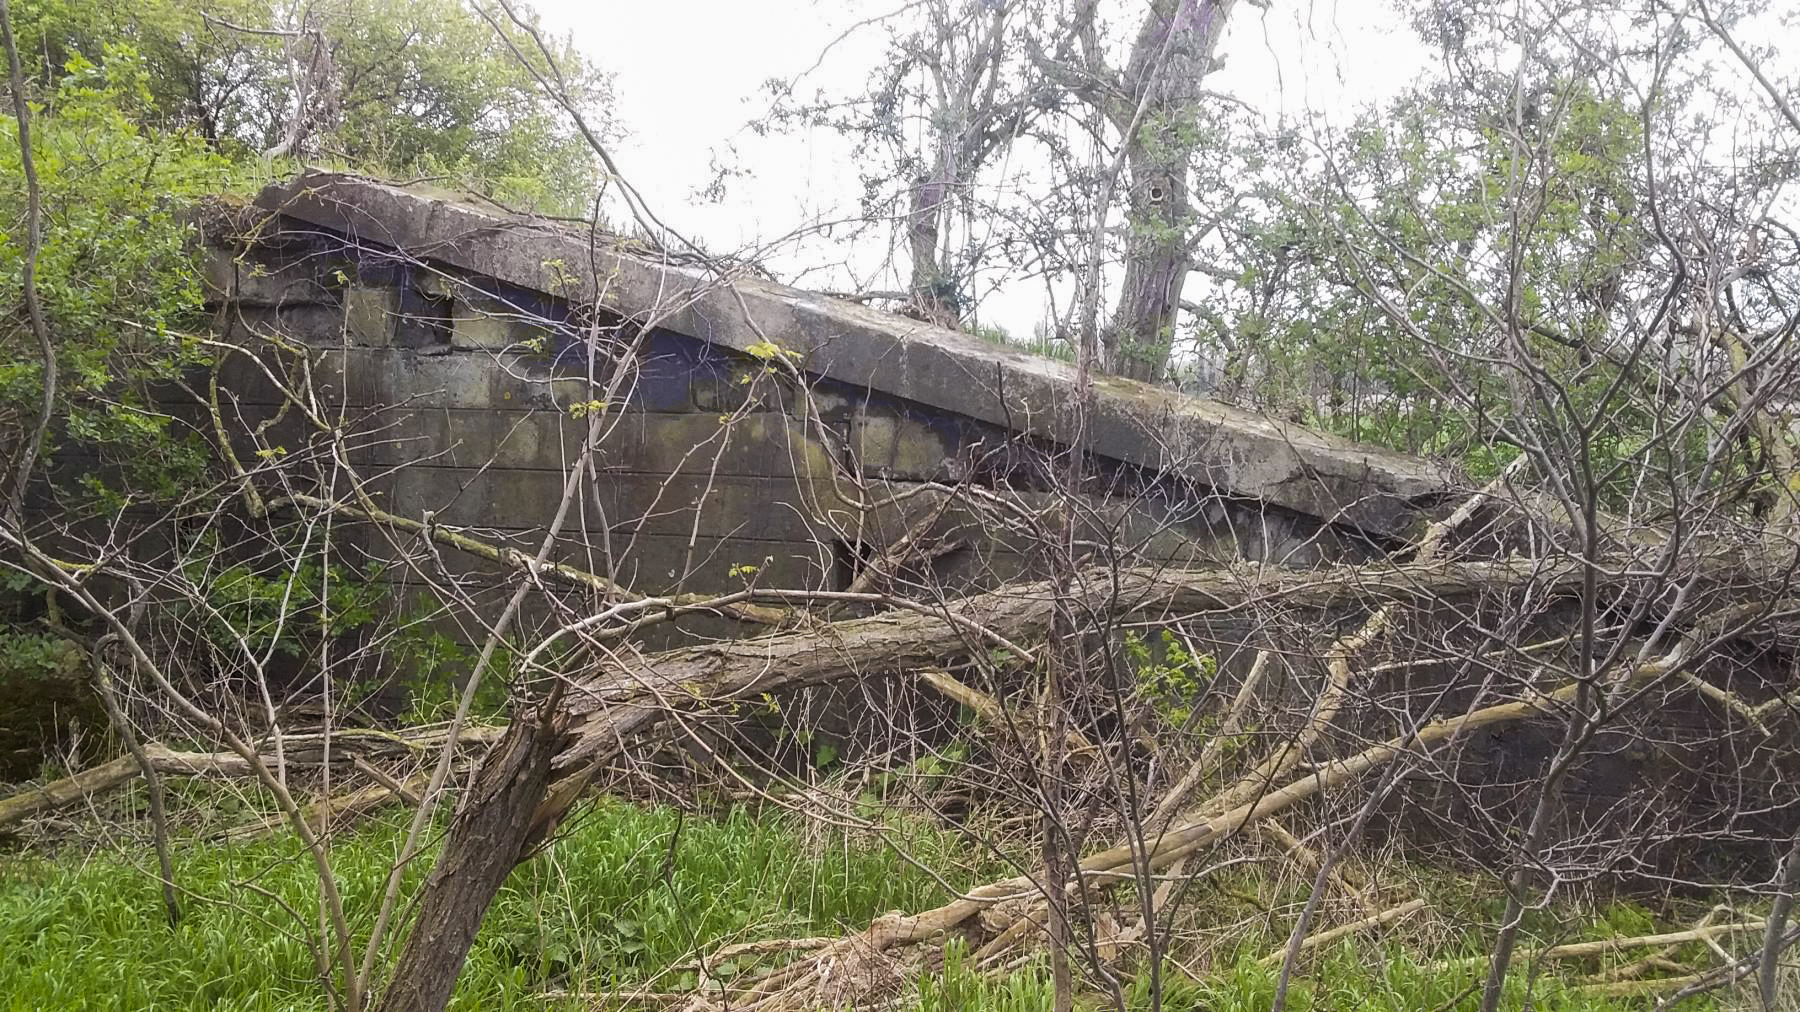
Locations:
(688, 77)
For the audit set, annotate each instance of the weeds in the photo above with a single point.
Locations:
(623, 901)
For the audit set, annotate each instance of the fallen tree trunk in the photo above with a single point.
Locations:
(298, 750)
(632, 693)
(602, 711)
(62, 793)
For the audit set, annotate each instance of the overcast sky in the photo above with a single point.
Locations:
(688, 76)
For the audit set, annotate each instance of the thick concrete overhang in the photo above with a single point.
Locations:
(1235, 452)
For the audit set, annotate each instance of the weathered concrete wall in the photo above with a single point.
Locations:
(470, 398)
(1206, 442)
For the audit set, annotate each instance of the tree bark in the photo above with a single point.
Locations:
(1172, 54)
(493, 830)
(933, 293)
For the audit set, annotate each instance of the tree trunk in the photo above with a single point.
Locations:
(1172, 54)
(494, 829)
(933, 294)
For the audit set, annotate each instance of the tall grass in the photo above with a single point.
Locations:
(626, 895)
(628, 891)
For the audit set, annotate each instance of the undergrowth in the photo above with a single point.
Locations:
(625, 898)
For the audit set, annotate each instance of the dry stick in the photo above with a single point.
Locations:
(117, 772)
(1313, 862)
(1288, 754)
(1374, 920)
(404, 791)
(1172, 800)
(515, 559)
(1117, 863)
(337, 810)
(1608, 946)
(79, 591)
(1631, 988)
(1662, 958)
(1303, 923)
(896, 554)
(1729, 700)
(254, 505)
(1730, 973)
(159, 817)
(1209, 753)
(988, 709)
(1337, 666)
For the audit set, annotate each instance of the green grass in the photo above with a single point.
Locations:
(627, 893)
(599, 911)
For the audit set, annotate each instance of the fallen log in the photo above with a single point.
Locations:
(298, 750)
(632, 692)
(62, 793)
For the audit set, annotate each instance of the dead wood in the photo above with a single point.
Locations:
(1339, 659)
(1633, 988)
(298, 750)
(67, 791)
(630, 693)
(1374, 920)
(1608, 946)
(601, 711)
(336, 812)
(1200, 830)
(1312, 861)
(989, 710)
